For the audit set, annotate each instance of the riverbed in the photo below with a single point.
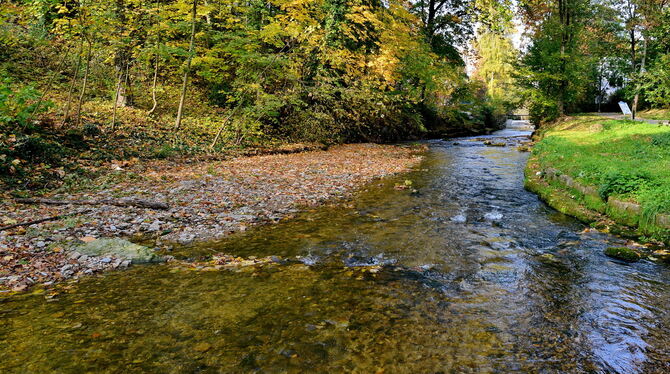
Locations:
(453, 267)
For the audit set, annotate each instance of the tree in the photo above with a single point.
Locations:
(187, 70)
(554, 71)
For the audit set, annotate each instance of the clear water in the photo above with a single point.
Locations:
(476, 275)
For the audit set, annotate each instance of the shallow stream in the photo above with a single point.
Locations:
(471, 273)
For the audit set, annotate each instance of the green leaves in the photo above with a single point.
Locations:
(18, 104)
(621, 184)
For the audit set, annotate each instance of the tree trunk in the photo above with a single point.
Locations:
(122, 55)
(208, 18)
(223, 125)
(564, 16)
(85, 80)
(180, 110)
(153, 87)
(642, 67)
(52, 218)
(116, 100)
(66, 111)
(155, 80)
(128, 86)
(600, 95)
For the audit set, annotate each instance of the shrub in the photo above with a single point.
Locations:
(18, 105)
(620, 183)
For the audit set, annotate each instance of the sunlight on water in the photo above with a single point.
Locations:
(470, 274)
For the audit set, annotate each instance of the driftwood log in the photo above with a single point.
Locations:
(140, 203)
(52, 218)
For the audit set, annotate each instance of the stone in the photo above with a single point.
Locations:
(119, 248)
(154, 226)
(663, 220)
(65, 268)
(623, 253)
(87, 239)
(625, 206)
(625, 212)
(662, 255)
(186, 238)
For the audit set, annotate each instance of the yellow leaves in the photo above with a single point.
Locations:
(273, 33)
(9, 221)
(385, 66)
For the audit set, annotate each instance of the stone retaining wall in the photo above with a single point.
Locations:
(625, 212)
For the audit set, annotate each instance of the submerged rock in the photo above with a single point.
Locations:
(662, 255)
(118, 248)
(623, 253)
(494, 144)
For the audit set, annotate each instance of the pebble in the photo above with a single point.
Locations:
(186, 238)
(211, 207)
(155, 226)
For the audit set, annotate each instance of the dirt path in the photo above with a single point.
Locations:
(207, 200)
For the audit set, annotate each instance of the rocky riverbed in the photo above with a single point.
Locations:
(208, 200)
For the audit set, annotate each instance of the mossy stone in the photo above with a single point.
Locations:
(119, 248)
(623, 253)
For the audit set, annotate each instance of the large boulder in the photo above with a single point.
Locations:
(118, 248)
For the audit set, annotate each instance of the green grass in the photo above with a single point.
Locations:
(624, 159)
(657, 114)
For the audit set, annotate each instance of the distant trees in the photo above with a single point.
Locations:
(495, 52)
(318, 69)
(581, 49)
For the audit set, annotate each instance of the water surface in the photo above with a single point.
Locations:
(471, 273)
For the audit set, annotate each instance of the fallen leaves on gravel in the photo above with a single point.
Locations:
(209, 199)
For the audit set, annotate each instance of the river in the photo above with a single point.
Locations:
(469, 274)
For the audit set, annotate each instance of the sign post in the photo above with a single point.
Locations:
(625, 109)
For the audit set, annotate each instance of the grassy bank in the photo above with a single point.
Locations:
(656, 114)
(620, 168)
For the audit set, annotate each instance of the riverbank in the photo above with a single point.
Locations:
(207, 200)
(655, 114)
(612, 173)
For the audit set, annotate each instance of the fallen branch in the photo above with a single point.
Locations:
(52, 218)
(116, 202)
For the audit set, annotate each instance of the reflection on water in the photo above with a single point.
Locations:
(477, 276)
